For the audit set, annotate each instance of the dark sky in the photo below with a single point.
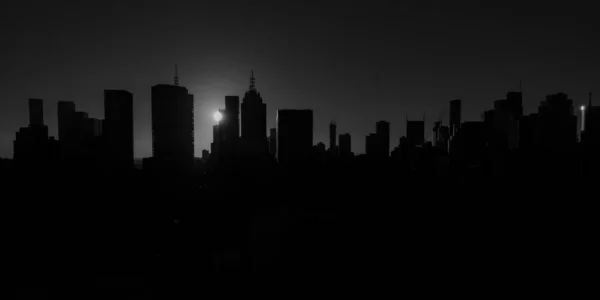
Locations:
(353, 63)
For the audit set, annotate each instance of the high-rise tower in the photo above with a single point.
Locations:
(254, 121)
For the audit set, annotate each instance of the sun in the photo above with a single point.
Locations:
(218, 116)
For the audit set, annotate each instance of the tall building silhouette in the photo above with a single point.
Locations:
(345, 145)
(468, 145)
(231, 117)
(172, 127)
(377, 145)
(415, 132)
(528, 132)
(95, 127)
(506, 115)
(31, 142)
(371, 144)
(214, 146)
(515, 103)
(383, 138)
(590, 138)
(441, 135)
(591, 132)
(80, 121)
(557, 123)
(229, 128)
(332, 137)
(254, 121)
(118, 128)
(66, 111)
(294, 135)
(455, 116)
(36, 112)
(273, 142)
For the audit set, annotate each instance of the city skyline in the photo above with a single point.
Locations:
(429, 122)
(352, 64)
(155, 149)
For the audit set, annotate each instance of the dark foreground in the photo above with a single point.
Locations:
(309, 234)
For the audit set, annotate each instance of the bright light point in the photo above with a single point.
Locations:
(582, 107)
(218, 116)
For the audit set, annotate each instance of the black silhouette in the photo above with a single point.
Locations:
(454, 205)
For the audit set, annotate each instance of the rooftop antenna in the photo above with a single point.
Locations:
(252, 82)
(176, 76)
(520, 86)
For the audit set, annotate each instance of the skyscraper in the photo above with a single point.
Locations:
(66, 110)
(557, 123)
(31, 143)
(254, 121)
(36, 112)
(415, 132)
(294, 135)
(231, 118)
(371, 144)
(383, 138)
(332, 138)
(80, 126)
(172, 127)
(345, 145)
(118, 127)
(455, 120)
(506, 115)
(273, 142)
(214, 146)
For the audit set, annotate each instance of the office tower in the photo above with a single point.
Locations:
(377, 145)
(591, 123)
(80, 124)
(231, 118)
(214, 146)
(415, 132)
(36, 113)
(455, 111)
(320, 148)
(118, 127)
(528, 132)
(440, 136)
(273, 142)
(345, 145)
(469, 144)
(506, 115)
(66, 109)
(590, 138)
(557, 124)
(383, 138)
(332, 137)
(436, 129)
(205, 155)
(371, 144)
(294, 135)
(172, 127)
(515, 103)
(254, 121)
(229, 128)
(95, 127)
(31, 143)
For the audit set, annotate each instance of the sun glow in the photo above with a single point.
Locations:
(218, 116)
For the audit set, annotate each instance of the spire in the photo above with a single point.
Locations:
(520, 86)
(176, 76)
(252, 82)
